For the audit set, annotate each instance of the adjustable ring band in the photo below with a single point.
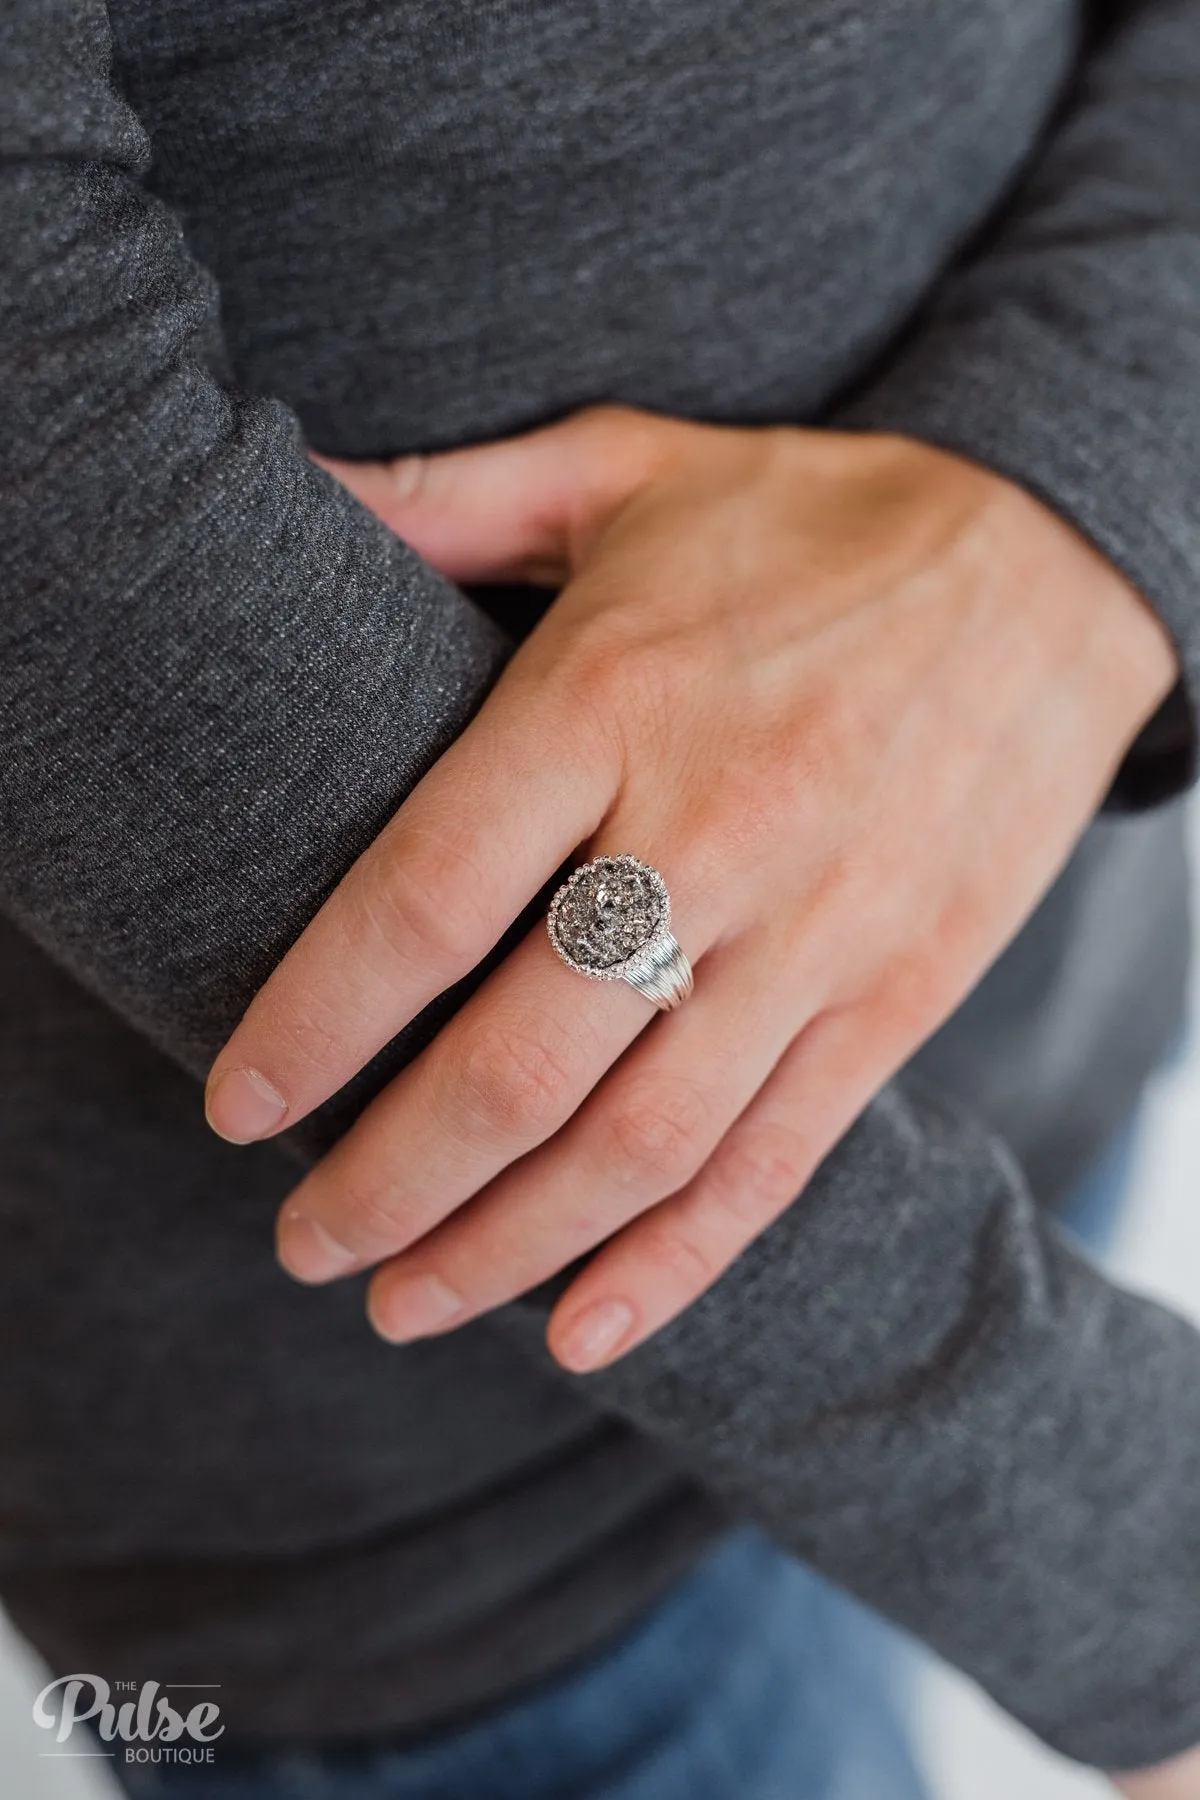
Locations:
(611, 920)
(665, 975)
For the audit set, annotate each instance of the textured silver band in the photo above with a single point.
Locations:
(611, 920)
(664, 973)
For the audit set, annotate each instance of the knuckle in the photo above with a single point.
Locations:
(600, 418)
(606, 427)
(371, 1212)
(840, 733)
(515, 1079)
(427, 903)
(913, 996)
(374, 1221)
(676, 1257)
(586, 691)
(601, 650)
(661, 670)
(759, 1171)
(634, 687)
(658, 1136)
(366, 1215)
(638, 440)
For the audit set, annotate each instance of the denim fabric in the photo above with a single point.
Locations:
(752, 1681)
(1092, 1216)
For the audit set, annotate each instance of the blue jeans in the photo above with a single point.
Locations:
(752, 1680)
(1093, 1213)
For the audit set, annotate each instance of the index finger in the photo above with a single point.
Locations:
(527, 781)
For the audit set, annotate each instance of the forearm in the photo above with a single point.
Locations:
(914, 1385)
(1064, 349)
(219, 675)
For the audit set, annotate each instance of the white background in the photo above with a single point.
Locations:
(972, 1751)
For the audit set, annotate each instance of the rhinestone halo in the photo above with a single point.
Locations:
(606, 915)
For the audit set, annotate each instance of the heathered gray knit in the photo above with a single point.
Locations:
(428, 222)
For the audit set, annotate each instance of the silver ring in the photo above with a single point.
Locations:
(611, 920)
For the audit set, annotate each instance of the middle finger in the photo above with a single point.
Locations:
(640, 1137)
(502, 1076)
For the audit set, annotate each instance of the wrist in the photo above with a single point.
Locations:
(1136, 658)
(1090, 617)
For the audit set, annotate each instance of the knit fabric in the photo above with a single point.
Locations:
(234, 225)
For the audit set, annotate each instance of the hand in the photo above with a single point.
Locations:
(855, 698)
(1178, 1779)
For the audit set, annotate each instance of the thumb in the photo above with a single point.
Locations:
(519, 509)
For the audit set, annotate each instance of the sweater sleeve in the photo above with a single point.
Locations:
(219, 675)
(1063, 348)
(218, 678)
(914, 1384)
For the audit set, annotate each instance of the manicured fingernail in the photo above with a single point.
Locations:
(241, 1105)
(412, 1306)
(307, 1251)
(406, 473)
(595, 1334)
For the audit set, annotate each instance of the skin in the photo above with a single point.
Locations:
(1178, 1779)
(854, 697)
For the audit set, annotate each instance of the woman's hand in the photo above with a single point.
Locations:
(1178, 1779)
(854, 697)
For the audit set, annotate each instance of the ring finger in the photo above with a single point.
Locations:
(640, 1137)
(502, 1076)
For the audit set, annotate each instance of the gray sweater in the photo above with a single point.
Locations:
(410, 224)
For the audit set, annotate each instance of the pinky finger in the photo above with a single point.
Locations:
(658, 1265)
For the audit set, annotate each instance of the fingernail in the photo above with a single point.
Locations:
(595, 1334)
(412, 1306)
(407, 472)
(241, 1105)
(307, 1250)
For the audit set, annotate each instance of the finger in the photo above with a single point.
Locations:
(667, 1258)
(643, 1134)
(506, 804)
(483, 514)
(501, 1076)
(518, 509)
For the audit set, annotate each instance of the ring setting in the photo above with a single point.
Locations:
(611, 920)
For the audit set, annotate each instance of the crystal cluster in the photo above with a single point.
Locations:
(605, 912)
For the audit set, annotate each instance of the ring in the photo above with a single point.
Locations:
(611, 920)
